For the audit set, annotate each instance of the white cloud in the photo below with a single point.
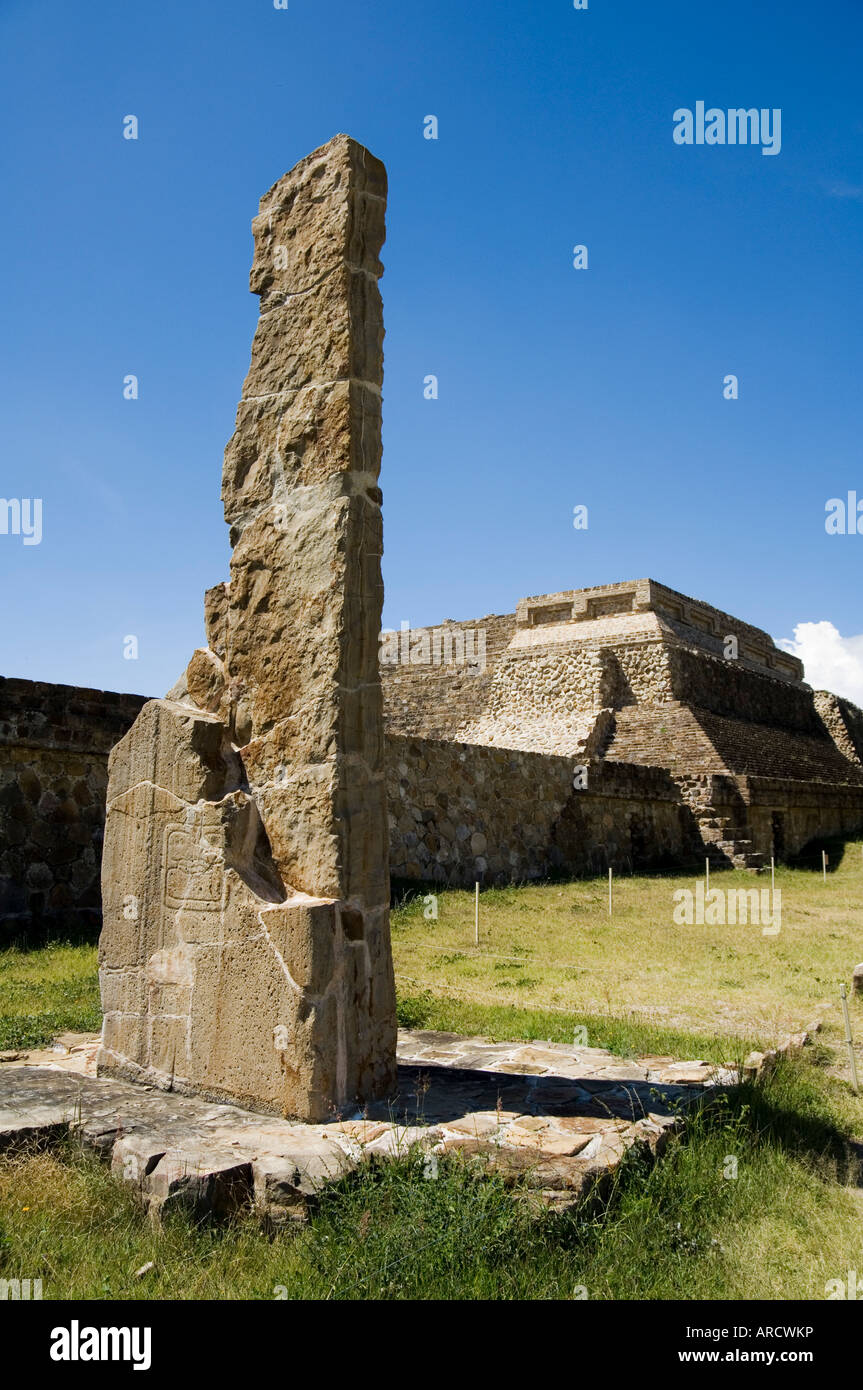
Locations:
(831, 661)
(847, 190)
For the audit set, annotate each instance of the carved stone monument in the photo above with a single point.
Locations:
(245, 952)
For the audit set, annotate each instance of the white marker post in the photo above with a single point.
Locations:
(610, 892)
(476, 916)
(849, 1040)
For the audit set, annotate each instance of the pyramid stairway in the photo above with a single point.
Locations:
(669, 735)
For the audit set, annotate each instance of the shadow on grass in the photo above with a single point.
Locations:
(809, 857)
(404, 891)
(38, 935)
(787, 1112)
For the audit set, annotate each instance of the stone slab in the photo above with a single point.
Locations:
(557, 1119)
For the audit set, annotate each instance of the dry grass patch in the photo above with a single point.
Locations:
(554, 947)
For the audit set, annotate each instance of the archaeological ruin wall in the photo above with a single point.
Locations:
(54, 746)
(844, 722)
(437, 680)
(457, 813)
(461, 813)
(684, 751)
(636, 674)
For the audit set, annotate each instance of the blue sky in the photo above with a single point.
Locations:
(558, 387)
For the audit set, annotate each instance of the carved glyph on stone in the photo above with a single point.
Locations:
(246, 811)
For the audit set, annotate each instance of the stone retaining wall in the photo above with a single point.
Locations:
(727, 687)
(798, 813)
(436, 700)
(459, 812)
(54, 745)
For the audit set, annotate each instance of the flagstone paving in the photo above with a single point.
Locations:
(557, 1118)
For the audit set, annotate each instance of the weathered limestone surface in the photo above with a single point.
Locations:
(245, 950)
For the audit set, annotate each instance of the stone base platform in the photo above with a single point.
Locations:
(557, 1119)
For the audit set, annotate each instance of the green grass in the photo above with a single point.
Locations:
(549, 962)
(629, 1037)
(552, 948)
(676, 1230)
(45, 992)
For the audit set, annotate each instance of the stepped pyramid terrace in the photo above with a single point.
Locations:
(695, 732)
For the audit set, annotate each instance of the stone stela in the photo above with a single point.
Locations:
(245, 951)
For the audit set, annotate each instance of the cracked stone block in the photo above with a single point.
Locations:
(284, 1183)
(201, 1183)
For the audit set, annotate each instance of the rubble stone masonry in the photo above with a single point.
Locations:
(54, 746)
